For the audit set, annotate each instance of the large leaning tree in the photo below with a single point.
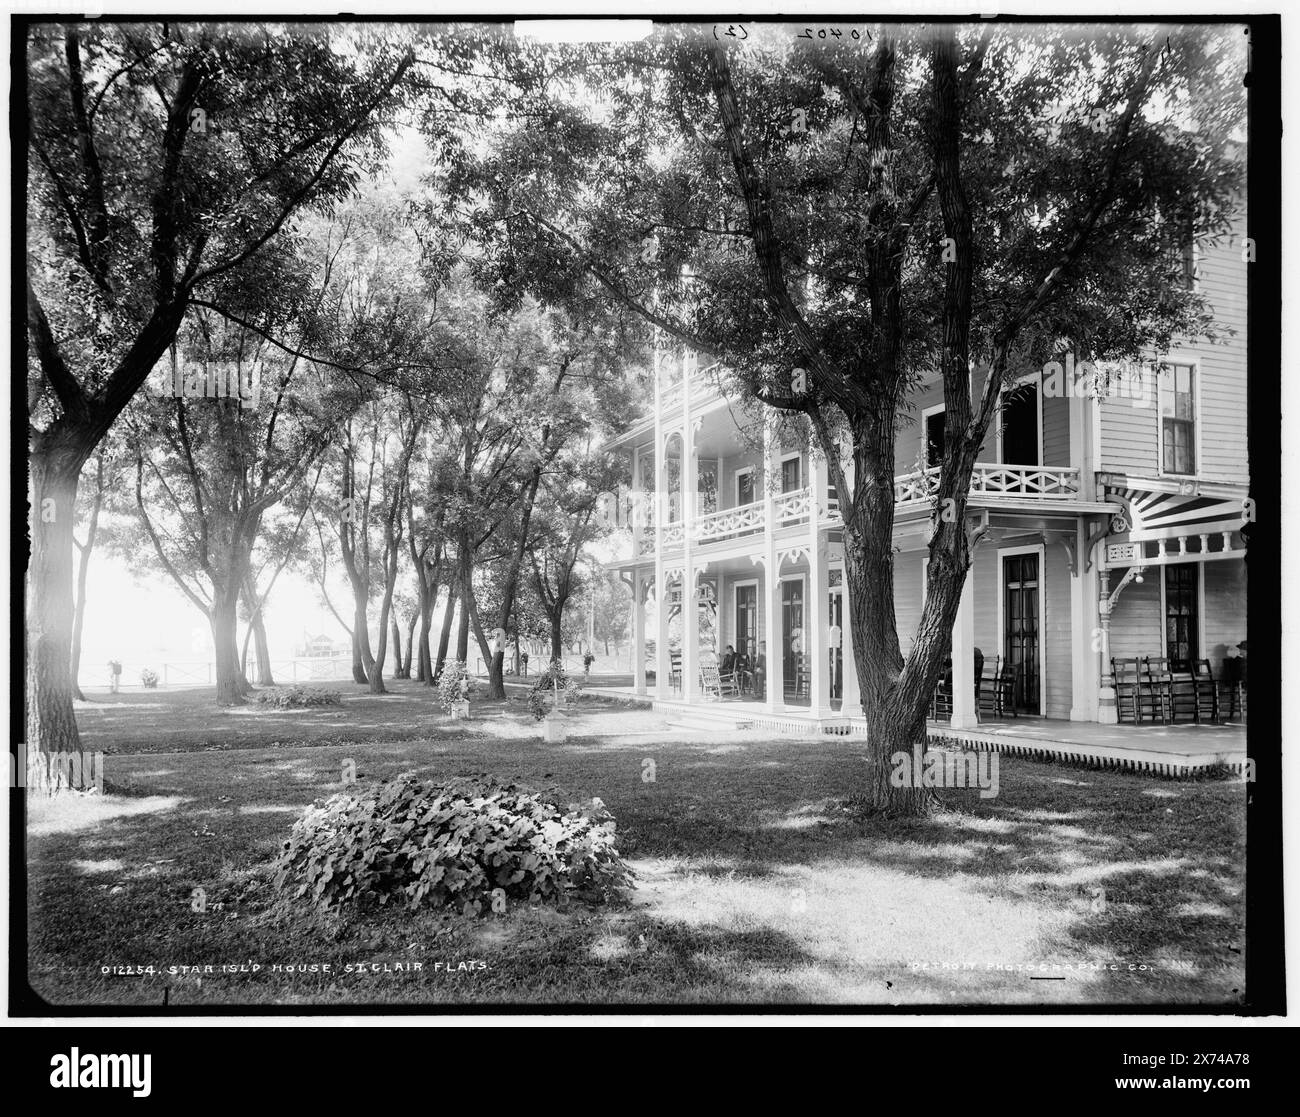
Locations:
(836, 219)
(161, 160)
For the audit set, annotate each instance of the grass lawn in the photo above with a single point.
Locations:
(756, 883)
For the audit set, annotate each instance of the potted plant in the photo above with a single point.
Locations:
(455, 685)
(553, 689)
(149, 678)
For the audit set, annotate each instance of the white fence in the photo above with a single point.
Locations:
(301, 669)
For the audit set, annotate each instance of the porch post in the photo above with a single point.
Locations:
(1084, 679)
(851, 697)
(816, 621)
(1107, 712)
(775, 698)
(963, 659)
(663, 664)
(690, 607)
(638, 633)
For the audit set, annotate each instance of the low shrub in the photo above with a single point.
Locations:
(297, 697)
(148, 677)
(470, 844)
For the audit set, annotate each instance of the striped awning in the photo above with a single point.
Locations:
(1156, 514)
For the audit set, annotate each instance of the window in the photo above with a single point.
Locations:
(791, 475)
(744, 487)
(1021, 434)
(1178, 418)
(1180, 258)
(934, 437)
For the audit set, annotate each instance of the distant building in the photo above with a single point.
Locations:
(319, 647)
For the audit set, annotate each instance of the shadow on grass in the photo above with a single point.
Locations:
(757, 884)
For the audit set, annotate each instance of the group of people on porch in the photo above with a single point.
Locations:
(749, 673)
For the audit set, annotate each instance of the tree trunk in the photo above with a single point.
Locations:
(444, 637)
(466, 586)
(54, 753)
(423, 652)
(262, 649)
(256, 633)
(395, 634)
(83, 569)
(363, 659)
(895, 693)
(232, 687)
(557, 642)
(385, 616)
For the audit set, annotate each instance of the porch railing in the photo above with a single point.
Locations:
(1048, 483)
(744, 520)
(791, 507)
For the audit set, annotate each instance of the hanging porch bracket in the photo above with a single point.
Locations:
(1094, 537)
(1133, 572)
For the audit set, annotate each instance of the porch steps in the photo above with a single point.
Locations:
(724, 718)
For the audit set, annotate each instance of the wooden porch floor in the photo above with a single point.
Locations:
(1173, 750)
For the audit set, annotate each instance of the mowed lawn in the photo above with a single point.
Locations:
(757, 881)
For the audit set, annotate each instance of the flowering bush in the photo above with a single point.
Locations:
(148, 677)
(455, 684)
(553, 688)
(296, 697)
(471, 844)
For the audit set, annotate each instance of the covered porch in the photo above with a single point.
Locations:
(751, 641)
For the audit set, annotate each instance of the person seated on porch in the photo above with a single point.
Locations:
(979, 670)
(728, 661)
(744, 672)
(760, 669)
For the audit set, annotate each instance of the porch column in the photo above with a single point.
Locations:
(816, 620)
(659, 502)
(851, 704)
(775, 698)
(1107, 711)
(690, 607)
(963, 659)
(638, 634)
(636, 514)
(1084, 678)
(1081, 422)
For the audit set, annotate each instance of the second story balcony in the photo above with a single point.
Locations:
(728, 524)
(992, 484)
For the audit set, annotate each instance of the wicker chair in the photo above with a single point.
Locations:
(712, 682)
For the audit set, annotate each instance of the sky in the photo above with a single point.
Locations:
(145, 623)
